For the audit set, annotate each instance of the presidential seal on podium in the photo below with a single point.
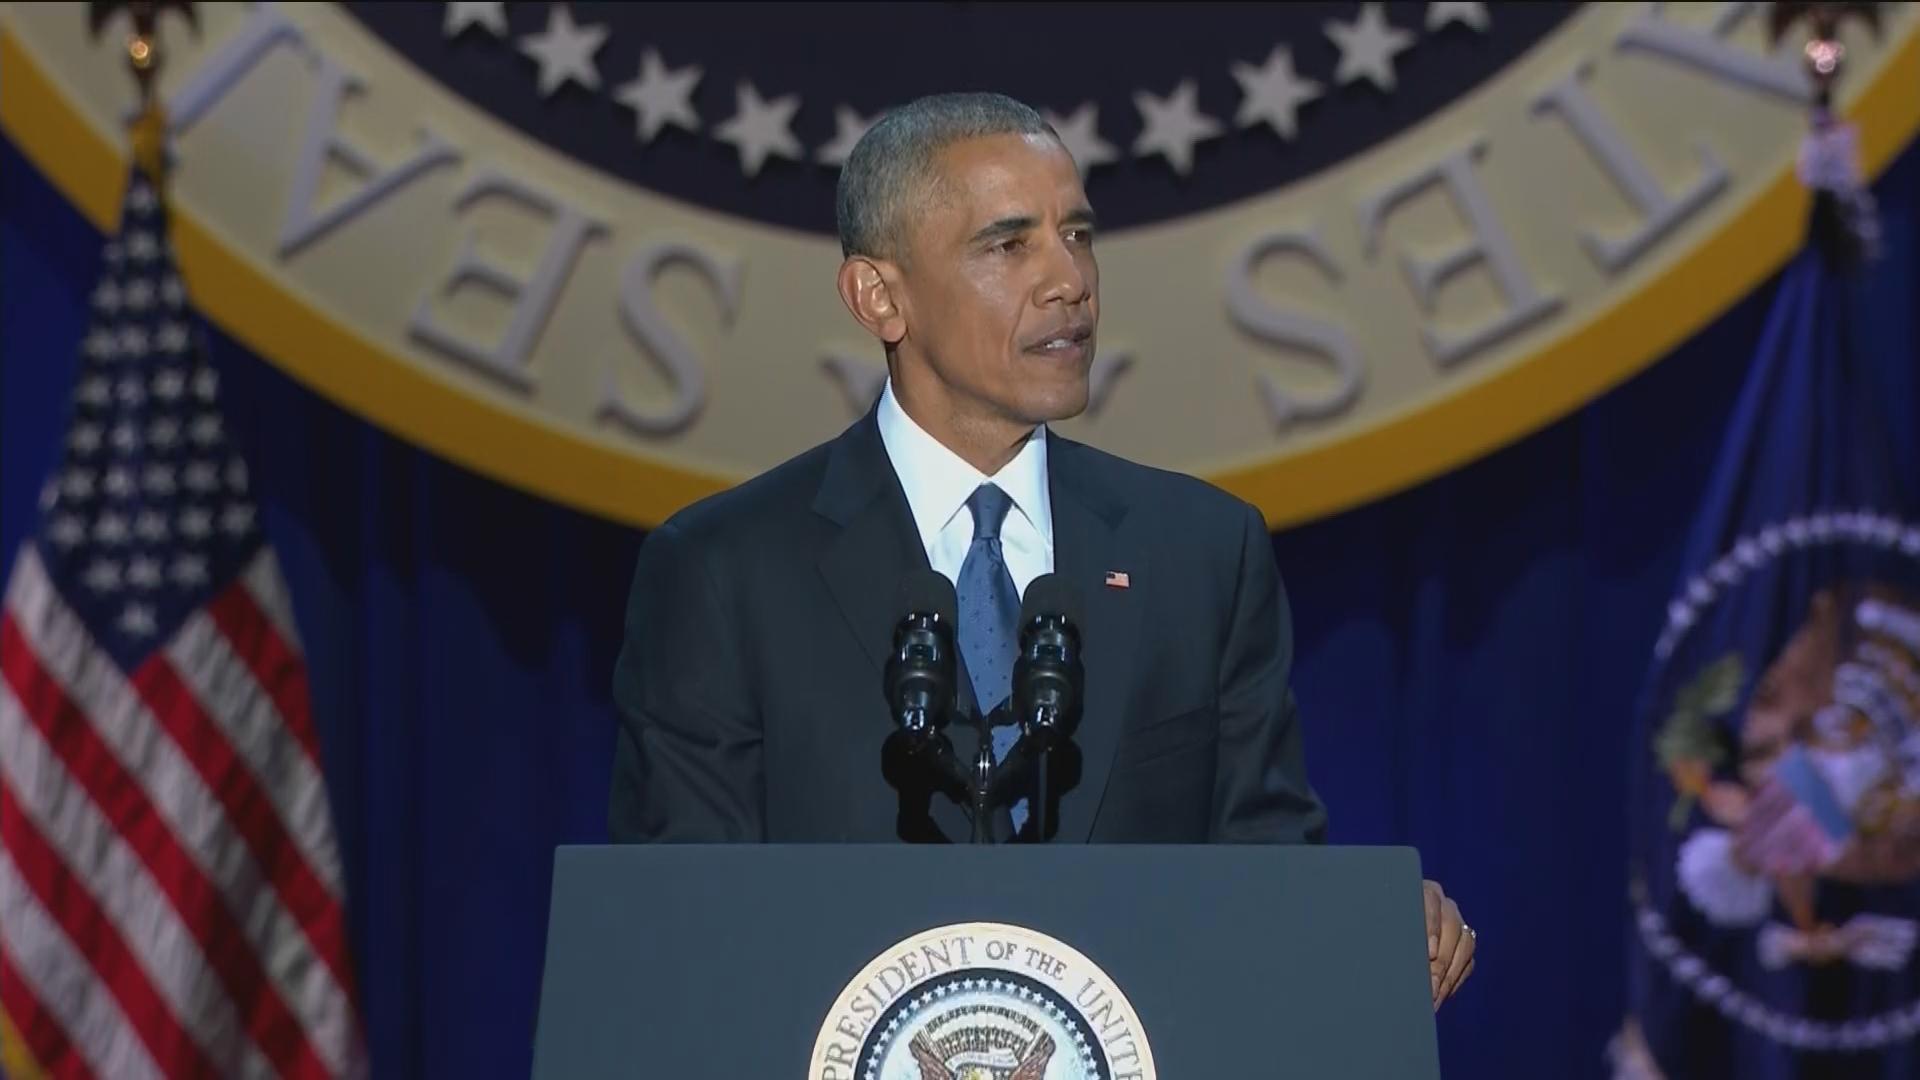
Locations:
(981, 1001)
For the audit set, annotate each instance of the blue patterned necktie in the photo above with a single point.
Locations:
(989, 612)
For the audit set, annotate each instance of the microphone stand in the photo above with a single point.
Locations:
(1039, 814)
(983, 773)
(999, 785)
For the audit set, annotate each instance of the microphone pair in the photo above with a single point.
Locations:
(1048, 674)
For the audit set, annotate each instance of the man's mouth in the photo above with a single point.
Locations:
(1067, 341)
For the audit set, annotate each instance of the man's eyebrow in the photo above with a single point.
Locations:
(1006, 226)
(1014, 226)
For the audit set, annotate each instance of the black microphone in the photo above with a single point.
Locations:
(1048, 678)
(919, 685)
(919, 676)
(1048, 675)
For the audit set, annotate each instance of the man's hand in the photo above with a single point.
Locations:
(1450, 944)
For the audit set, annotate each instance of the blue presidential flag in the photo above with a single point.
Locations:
(1775, 882)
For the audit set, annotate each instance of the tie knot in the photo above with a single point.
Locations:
(989, 505)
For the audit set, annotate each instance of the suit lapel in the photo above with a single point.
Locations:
(863, 566)
(877, 545)
(1089, 539)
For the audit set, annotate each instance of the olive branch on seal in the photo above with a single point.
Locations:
(1689, 744)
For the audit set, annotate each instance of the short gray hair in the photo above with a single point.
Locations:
(894, 161)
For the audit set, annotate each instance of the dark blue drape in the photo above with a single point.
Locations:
(1470, 653)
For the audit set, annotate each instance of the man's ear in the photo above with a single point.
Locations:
(868, 291)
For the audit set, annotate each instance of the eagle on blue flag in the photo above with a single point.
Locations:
(1775, 878)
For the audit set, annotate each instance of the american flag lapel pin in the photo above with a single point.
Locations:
(1118, 579)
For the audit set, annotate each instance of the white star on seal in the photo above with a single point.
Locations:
(659, 96)
(1081, 134)
(1273, 93)
(1368, 46)
(565, 51)
(1474, 15)
(761, 129)
(460, 16)
(849, 126)
(1173, 124)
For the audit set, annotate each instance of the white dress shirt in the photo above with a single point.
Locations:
(938, 483)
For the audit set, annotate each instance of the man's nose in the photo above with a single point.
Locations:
(1064, 280)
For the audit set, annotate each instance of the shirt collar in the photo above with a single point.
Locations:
(938, 482)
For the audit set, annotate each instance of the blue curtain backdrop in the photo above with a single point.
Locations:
(1470, 652)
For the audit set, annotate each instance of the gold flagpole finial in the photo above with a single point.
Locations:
(144, 60)
(1825, 55)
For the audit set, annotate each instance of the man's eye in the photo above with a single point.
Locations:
(1010, 245)
(1080, 236)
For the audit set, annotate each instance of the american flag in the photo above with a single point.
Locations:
(171, 898)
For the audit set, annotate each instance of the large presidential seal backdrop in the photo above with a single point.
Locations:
(594, 328)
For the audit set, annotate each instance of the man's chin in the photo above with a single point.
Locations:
(1052, 389)
(1057, 407)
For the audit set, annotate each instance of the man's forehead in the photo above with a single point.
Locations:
(1001, 176)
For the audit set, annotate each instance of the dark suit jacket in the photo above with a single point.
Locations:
(749, 685)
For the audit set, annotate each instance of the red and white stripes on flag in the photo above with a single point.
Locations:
(171, 897)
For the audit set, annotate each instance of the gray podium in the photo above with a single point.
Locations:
(882, 962)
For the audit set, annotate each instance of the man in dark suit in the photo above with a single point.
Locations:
(760, 619)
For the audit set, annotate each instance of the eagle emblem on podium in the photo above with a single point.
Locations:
(934, 1066)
